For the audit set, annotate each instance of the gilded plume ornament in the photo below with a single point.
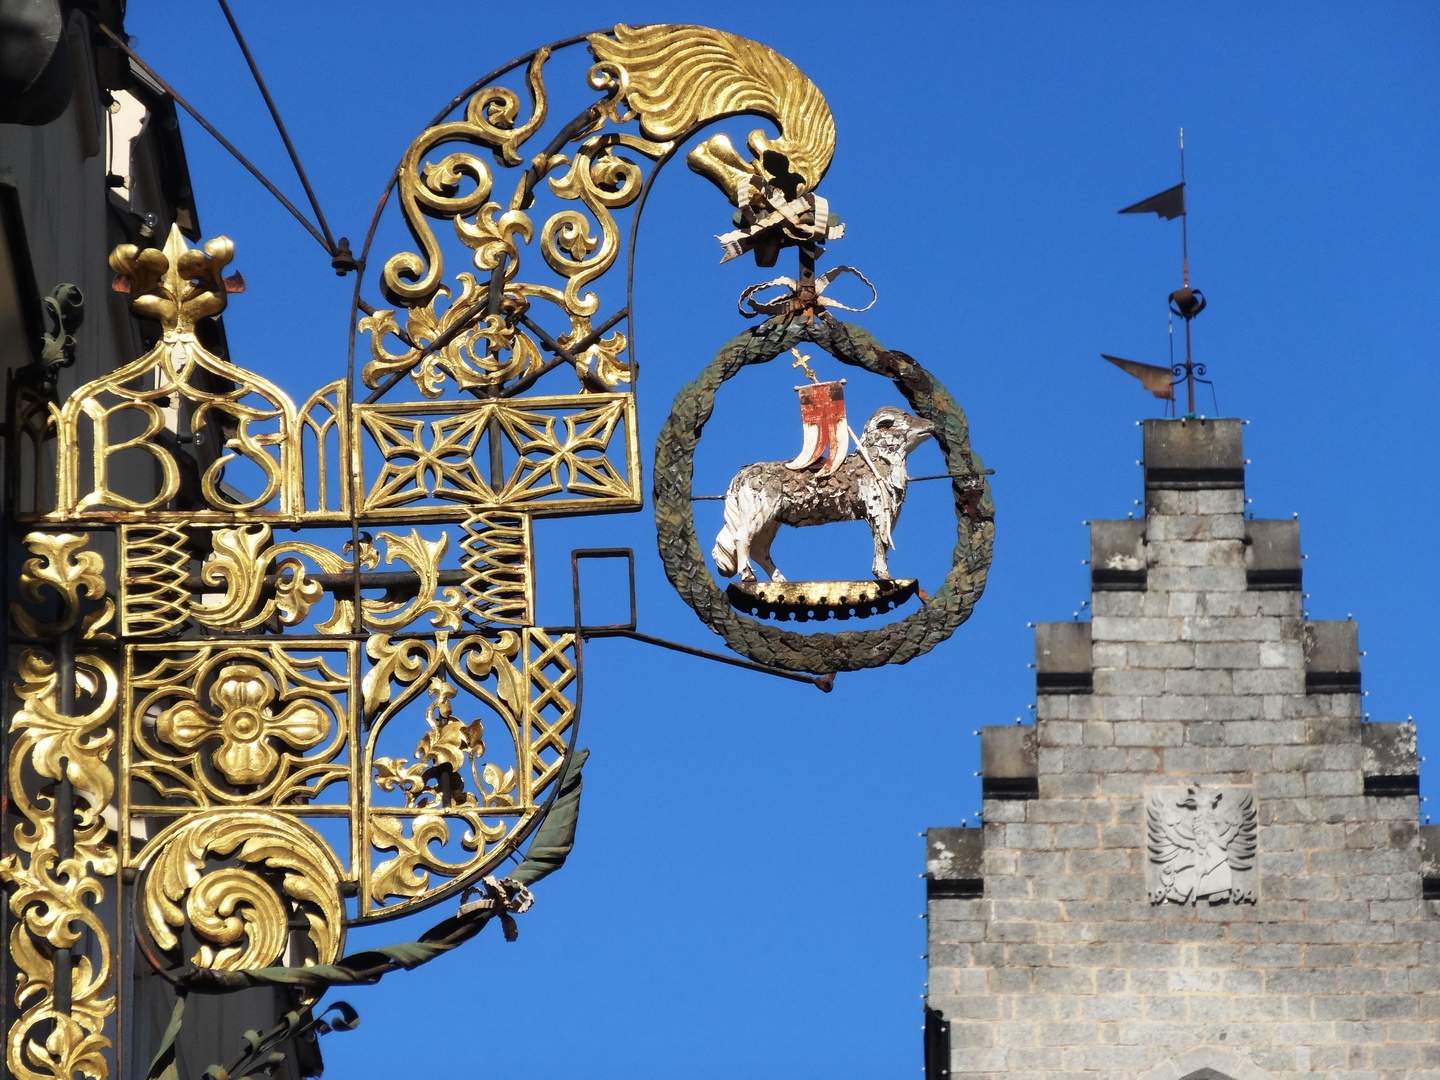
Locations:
(281, 670)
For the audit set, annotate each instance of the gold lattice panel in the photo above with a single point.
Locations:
(560, 455)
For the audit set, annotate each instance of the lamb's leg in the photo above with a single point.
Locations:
(760, 550)
(880, 566)
(742, 555)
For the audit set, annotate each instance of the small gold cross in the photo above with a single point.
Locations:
(803, 362)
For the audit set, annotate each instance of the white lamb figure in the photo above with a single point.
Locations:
(764, 496)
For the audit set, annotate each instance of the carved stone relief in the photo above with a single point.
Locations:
(1201, 845)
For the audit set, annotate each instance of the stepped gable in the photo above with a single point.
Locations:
(1201, 861)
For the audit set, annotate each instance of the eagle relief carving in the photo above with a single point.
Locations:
(1201, 845)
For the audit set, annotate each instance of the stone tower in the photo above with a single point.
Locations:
(1199, 862)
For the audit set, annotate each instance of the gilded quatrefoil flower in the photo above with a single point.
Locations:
(246, 725)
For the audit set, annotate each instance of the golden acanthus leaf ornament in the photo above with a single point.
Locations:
(62, 566)
(676, 78)
(52, 898)
(239, 917)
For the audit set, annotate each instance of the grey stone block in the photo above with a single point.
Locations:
(1117, 556)
(1112, 628)
(1332, 657)
(1391, 759)
(1429, 850)
(953, 863)
(1272, 555)
(1193, 455)
(1229, 502)
(1009, 762)
(1063, 663)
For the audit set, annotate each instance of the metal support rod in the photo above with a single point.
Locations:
(220, 139)
(280, 126)
(563, 355)
(1184, 221)
(824, 682)
(495, 432)
(64, 803)
(392, 580)
(1189, 371)
(908, 480)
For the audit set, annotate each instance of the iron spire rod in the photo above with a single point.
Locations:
(1189, 371)
(279, 125)
(1184, 217)
(1185, 275)
(167, 88)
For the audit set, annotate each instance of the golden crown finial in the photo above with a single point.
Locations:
(176, 285)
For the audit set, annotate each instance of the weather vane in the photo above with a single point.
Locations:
(1184, 301)
(229, 705)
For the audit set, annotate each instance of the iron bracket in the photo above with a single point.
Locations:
(825, 683)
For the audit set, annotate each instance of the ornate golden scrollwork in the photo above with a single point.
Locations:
(673, 79)
(463, 773)
(237, 723)
(71, 573)
(490, 122)
(52, 897)
(248, 581)
(265, 769)
(239, 917)
(457, 356)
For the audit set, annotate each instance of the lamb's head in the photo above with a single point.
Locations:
(892, 433)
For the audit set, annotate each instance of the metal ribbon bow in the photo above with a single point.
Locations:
(802, 300)
(502, 897)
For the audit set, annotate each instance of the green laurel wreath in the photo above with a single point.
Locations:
(849, 650)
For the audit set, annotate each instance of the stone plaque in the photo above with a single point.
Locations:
(1201, 845)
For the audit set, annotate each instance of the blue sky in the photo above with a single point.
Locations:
(745, 893)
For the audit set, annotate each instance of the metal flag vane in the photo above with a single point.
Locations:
(1184, 301)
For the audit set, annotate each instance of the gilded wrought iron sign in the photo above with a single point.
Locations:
(281, 673)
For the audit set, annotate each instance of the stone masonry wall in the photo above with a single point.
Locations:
(1202, 670)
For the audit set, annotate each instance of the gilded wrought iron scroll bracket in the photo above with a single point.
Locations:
(283, 667)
